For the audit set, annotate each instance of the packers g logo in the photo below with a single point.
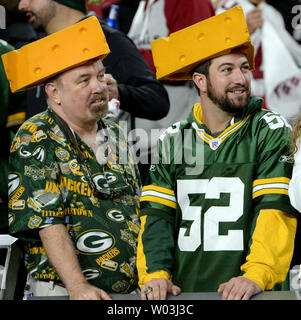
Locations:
(14, 182)
(94, 242)
(75, 167)
(115, 215)
(92, 273)
(11, 218)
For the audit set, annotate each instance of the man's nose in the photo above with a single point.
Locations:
(23, 4)
(99, 85)
(238, 77)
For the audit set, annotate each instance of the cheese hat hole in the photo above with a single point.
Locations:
(201, 36)
(86, 50)
(182, 58)
(37, 70)
(83, 31)
(55, 49)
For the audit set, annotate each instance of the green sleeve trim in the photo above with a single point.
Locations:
(278, 206)
(158, 213)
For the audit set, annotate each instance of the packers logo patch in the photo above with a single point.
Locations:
(38, 136)
(14, 181)
(115, 215)
(92, 273)
(62, 154)
(94, 242)
(18, 204)
(75, 167)
(34, 222)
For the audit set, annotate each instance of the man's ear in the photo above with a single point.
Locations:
(52, 92)
(200, 81)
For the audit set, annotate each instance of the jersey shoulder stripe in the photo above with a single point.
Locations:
(278, 185)
(160, 195)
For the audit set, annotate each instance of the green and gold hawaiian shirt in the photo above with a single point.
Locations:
(49, 184)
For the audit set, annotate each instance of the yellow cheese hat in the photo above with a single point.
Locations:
(33, 64)
(175, 56)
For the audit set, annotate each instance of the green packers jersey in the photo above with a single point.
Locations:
(48, 184)
(207, 191)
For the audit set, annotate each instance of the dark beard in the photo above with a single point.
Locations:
(226, 104)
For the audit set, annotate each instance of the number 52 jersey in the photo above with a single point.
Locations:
(207, 191)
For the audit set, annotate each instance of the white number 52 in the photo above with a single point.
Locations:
(190, 240)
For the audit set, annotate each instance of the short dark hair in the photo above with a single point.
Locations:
(202, 68)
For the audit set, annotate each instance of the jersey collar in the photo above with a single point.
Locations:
(215, 140)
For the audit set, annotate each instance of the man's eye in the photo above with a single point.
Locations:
(226, 70)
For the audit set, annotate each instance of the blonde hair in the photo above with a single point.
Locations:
(296, 135)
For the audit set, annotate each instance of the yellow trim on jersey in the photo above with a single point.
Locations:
(142, 268)
(15, 119)
(160, 195)
(160, 189)
(197, 112)
(141, 260)
(271, 180)
(159, 200)
(277, 185)
(270, 191)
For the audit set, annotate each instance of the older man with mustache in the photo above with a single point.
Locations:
(72, 202)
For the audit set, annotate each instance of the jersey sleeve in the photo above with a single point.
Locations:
(156, 239)
(274, 167)
(35, 197)
(158, 196)
(271, 249)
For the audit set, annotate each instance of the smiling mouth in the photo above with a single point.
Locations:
(237, 91)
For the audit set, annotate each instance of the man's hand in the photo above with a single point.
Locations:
(112, 87)
(239, 288)
(159, 289)
(254, 20)
(63, 258)
(85, 291)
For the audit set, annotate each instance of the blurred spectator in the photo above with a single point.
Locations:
(286, 10)
(277, 77)
(18, 31)
(131, 81)
(156, 19)
(127, 10)
(12, 116)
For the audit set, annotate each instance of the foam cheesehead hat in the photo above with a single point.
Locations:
(74, 4)
(33, 64)
(175, 56)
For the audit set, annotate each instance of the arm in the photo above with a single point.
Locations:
(156, 241)
(272, 248)
(154, 258)
(269, 259)
(62, 256)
